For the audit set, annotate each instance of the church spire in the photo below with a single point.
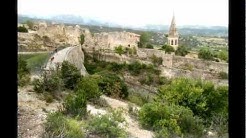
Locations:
(173, 29)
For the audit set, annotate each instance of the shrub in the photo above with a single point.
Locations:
(156, 60)
(138, 99)
(100, 103)
(187, 66)
(205, 54)
(22, 29)
(108, 125)
(197, 95)
(49, 83)
(223, 75)
(115, 67)
(70, 75)
(169, 120)
(167, 48)
(120, 50)
(149, 46)
(23, 72)
(75, 104)
(57, 125)
(82, 39)
(89, 86)
(48, 97)
(181, 51)
(144, 39)
(112, 85)
(30, 24)
(223, 55)
(135, 68)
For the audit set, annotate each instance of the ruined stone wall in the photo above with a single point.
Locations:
(179, 62)
(111, 40)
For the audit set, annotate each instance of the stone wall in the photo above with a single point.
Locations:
(76, 57)
(110, 40)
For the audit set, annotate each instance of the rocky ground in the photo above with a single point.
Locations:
(32, 112)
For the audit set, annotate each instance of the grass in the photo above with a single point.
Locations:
(35, 61)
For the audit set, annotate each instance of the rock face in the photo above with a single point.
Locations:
(73, 54)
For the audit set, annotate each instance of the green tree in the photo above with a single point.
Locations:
(30, 24)
(22, 29)
(89, 85)
(144, 39)
(181, 51)
(70, 75)
(120, 50)
(206, 54)
(23, 72)
(82, 39)
(167, 48)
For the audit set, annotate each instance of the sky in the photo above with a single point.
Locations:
(134, 12)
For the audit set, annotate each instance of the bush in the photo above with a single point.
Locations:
(138, 99)
(187, 66)
(223, 55)
(169, 120)
(144, 39)
(22, 29)
(149, 46)
(135, 68)
(89, 86)
(199, 96)
(112, 85)
(82, 39)
(205, 54)
(75, 104)
(57, 125)
(23, 72)
(156, 60)
(48, 97)
(70, 75)
(108, 125)
(167, 48)
(223, 75)
(30, 24)
(181, 51)
(49, 83)
(120, 50)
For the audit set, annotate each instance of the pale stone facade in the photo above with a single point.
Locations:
(173, 35)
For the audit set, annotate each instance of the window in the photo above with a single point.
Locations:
(171, 42)
(176, 42)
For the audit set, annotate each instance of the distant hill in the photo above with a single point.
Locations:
(97, 25)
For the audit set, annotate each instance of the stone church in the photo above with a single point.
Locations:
(173, 35)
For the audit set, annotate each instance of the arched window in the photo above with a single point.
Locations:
(176, 42)
(171, 42)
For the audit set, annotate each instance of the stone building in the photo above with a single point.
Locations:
(173, 35)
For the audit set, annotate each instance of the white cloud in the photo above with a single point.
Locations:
(137, 12)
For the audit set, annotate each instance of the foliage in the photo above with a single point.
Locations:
(23, 72)
(149, 46)
(196, 95)
(223, 55)
(181, 51)
(82, 39)
(75, 104)
(49, 83)
(167, 48)
(188, 66)
(70, 75)
(135, 68)
(156, 60)
(169, 120)
(223, 75)
(138, 98)
(120, 50)
(108, 125)
(112, 85)
(35, 61)
(144, 39)
(22, 29)
(30, 24)
(205, 54)
(58, 125)
(89, 85)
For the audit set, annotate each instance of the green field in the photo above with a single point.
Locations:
(35, 61)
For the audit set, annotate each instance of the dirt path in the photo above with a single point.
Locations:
(133, 127)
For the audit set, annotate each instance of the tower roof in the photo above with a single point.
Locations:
(173, 30)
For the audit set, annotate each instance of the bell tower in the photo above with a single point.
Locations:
(173, 35)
